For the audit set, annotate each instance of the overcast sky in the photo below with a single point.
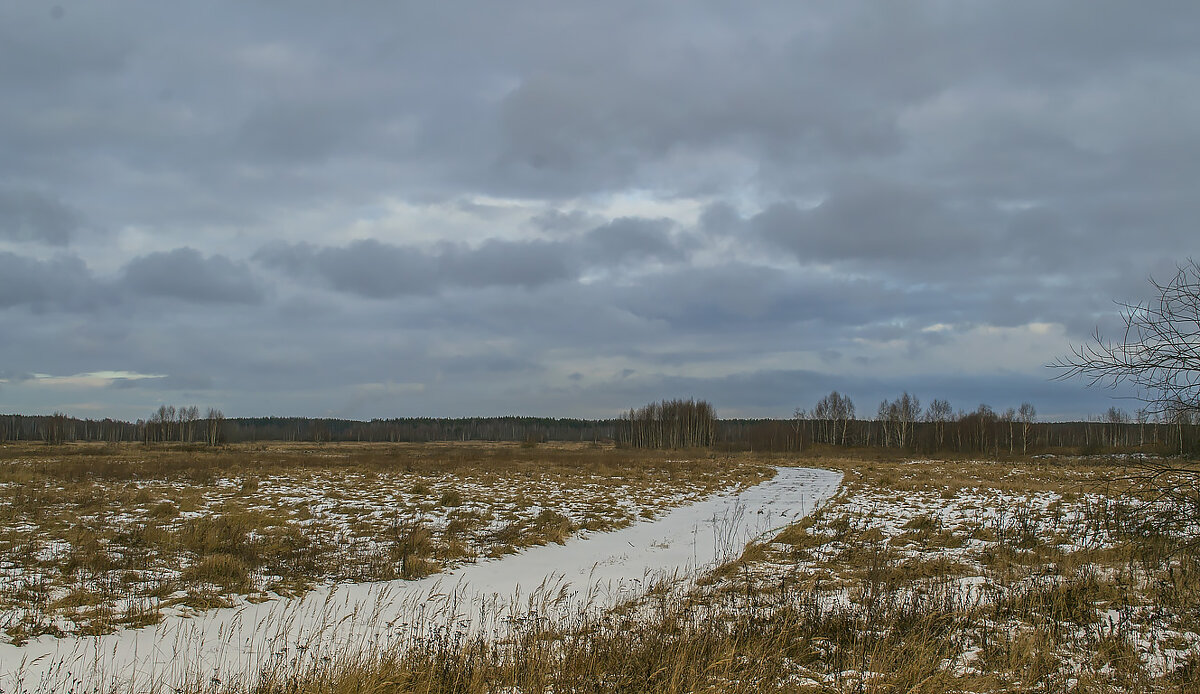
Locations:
(381, 209)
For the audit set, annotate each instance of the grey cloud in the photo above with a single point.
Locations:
(770, 82)
(125, 383)
(15, 377)
(186, 274)
(184, 382)
(30, 216)
(749, 299)
(1043, 236)
(60, 283)
(39, 50)
(565, 131)
(720, 219)
(557, 221)
(984, 164)
(486, 364)
(368, 268)
(872, 221)
(630, 237)
(507, 263)
(379, 270)
(296, 130)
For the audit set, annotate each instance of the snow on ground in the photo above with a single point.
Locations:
(1035, 553)
(597, 570)
(86, 556)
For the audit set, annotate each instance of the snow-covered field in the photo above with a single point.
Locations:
(95, 539)
(595, 570)
(1052, 575)
(1048, 574)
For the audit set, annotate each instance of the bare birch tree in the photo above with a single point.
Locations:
(835, 412)
(938, 414)
(214, 426)
(1027, 412)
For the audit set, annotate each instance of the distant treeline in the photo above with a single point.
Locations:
(903, 424)
(669, 424)
(834, 421)
(187, 426)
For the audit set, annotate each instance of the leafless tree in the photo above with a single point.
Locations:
(56, 428)
(899, 416)
(1159, 351)
(214, 425)
(1141, 417)
(1114, 418)
(979, 428)
(1027, 413)
(799, 418)
(1159, 355)
(939, 413)
(1010, 417)
(883, 416)
(670, 424)
(835, 412)
(187, 419)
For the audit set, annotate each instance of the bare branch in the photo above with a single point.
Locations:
(1159, 350)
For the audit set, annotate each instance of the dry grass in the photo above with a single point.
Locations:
(1046, 583)
(1043, 575)
(94, 537)
(927, 576)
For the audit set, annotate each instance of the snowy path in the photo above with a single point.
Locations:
(600, 569)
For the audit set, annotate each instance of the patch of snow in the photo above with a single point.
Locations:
(599, 570)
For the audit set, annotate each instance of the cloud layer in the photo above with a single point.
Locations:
(293, 208)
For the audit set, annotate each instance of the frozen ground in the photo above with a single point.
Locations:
(226, 644)
(1035, 568)
(93, 539)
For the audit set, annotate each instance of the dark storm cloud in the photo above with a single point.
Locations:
(186, 274)
(30, 216)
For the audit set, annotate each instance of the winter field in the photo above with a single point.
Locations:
(98, 538)
(1053, 573)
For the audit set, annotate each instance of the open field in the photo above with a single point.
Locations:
(1054, 574)
(931, 576)
(95, 538)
